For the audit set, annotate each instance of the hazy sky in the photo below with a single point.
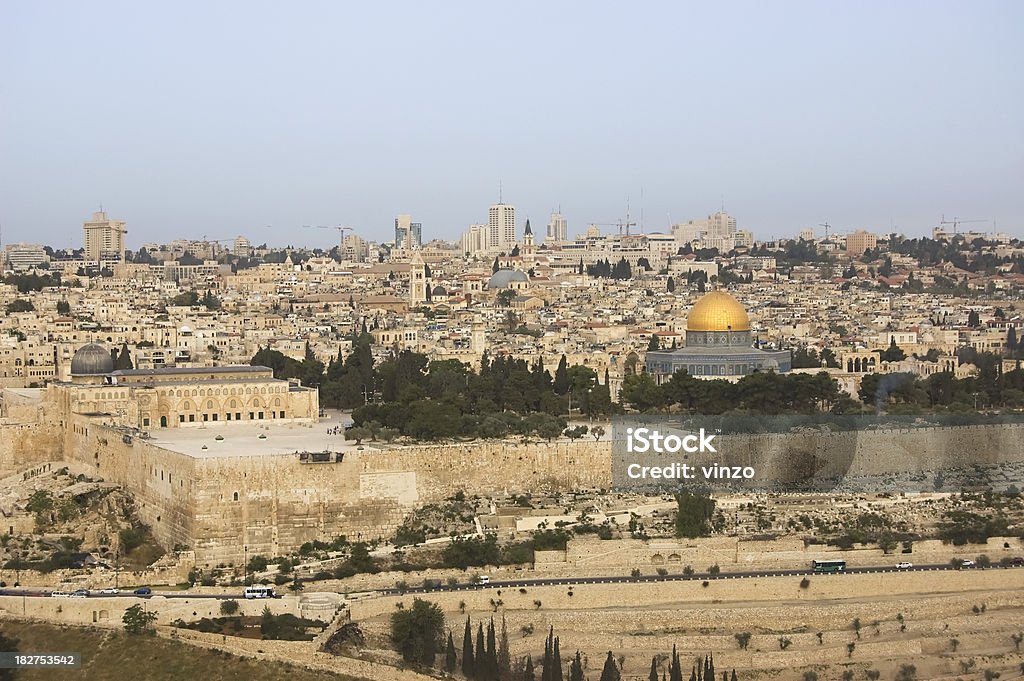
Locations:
(220, 118)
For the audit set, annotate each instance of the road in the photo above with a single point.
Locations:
(565, 581)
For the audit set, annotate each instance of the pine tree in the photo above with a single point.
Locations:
(468, 668)
(611, 670)
(450, 659)
(670, 285)
(653, 676)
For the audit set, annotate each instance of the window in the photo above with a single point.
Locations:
(181, 418)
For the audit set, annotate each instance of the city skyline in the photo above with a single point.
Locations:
(906, 114)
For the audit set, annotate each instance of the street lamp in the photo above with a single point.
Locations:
(245, 564)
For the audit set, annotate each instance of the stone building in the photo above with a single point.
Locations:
(178, 397)
(719, 344)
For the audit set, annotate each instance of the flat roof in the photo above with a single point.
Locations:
(242, 439)
(237, 369)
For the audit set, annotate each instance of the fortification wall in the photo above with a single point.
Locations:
(163, 482)
(645, 595)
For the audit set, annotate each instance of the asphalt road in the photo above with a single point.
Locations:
(567, 581)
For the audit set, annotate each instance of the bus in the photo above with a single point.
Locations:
(258, 591)
(828, 565)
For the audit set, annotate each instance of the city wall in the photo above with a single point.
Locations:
(644, 595)
(227, 507)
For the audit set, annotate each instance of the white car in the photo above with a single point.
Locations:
(967, 563)
(110, 591)
(59, 594)
(904, 565)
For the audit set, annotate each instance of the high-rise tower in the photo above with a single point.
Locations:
(104, 238)
(501, 226)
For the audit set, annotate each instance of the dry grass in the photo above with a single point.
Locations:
(114, 656)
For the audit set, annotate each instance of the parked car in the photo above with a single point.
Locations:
(59, 594)
(1017, 560)
(904, 565)
(80, 593)
(143, 591)
(967, 563)
(110, 590)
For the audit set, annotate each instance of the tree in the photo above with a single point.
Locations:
(653, 343)
(123, 360)
(742, 639)
(693, 514)
(468, 666)
(450, 659)
(576, 668)
(611, 669)
(8, 645)
(416, 632)
(20, 305)
(670, 285)
(228, 607)
(64, 307)
(504, 658)
(357, 433)
(137, 620)
(575, 432)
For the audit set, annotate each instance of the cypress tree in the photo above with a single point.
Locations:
(576, 668)
(481, 654)
(675, 672)
(561, 385)
(504, 659)
(653, 676)
(492, 652)
(528, 674)
(450, 659)
(556, 662)
(468, 668)
(545, 672)
(611, 670)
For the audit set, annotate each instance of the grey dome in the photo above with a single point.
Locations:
(502, 278)
(439, 291)
(91, 360)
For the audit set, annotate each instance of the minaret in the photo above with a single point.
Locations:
(417, 280)
(527, 239)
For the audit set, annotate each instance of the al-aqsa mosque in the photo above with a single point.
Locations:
(719, 344)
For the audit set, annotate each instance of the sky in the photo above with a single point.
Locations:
(218, 118)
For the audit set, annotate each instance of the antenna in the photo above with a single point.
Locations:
(499, 192)
(641, 209)
(723, 202)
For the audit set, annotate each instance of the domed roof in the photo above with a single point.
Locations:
(502, 278)
(439, 291)
(91, 360)
(717, 311)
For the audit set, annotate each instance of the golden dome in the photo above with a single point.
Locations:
(717, 311)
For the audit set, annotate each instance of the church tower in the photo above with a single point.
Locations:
(528, 239)
(417, 280)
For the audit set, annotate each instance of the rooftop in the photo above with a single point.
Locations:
(242, 439)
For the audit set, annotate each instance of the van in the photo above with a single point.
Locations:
(483, 579)
(259, 592)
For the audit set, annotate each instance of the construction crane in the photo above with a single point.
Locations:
(341, 231)
(956, 222)
(827, 227)
(620, 224)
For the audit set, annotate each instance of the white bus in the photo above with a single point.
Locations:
(259, 591)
